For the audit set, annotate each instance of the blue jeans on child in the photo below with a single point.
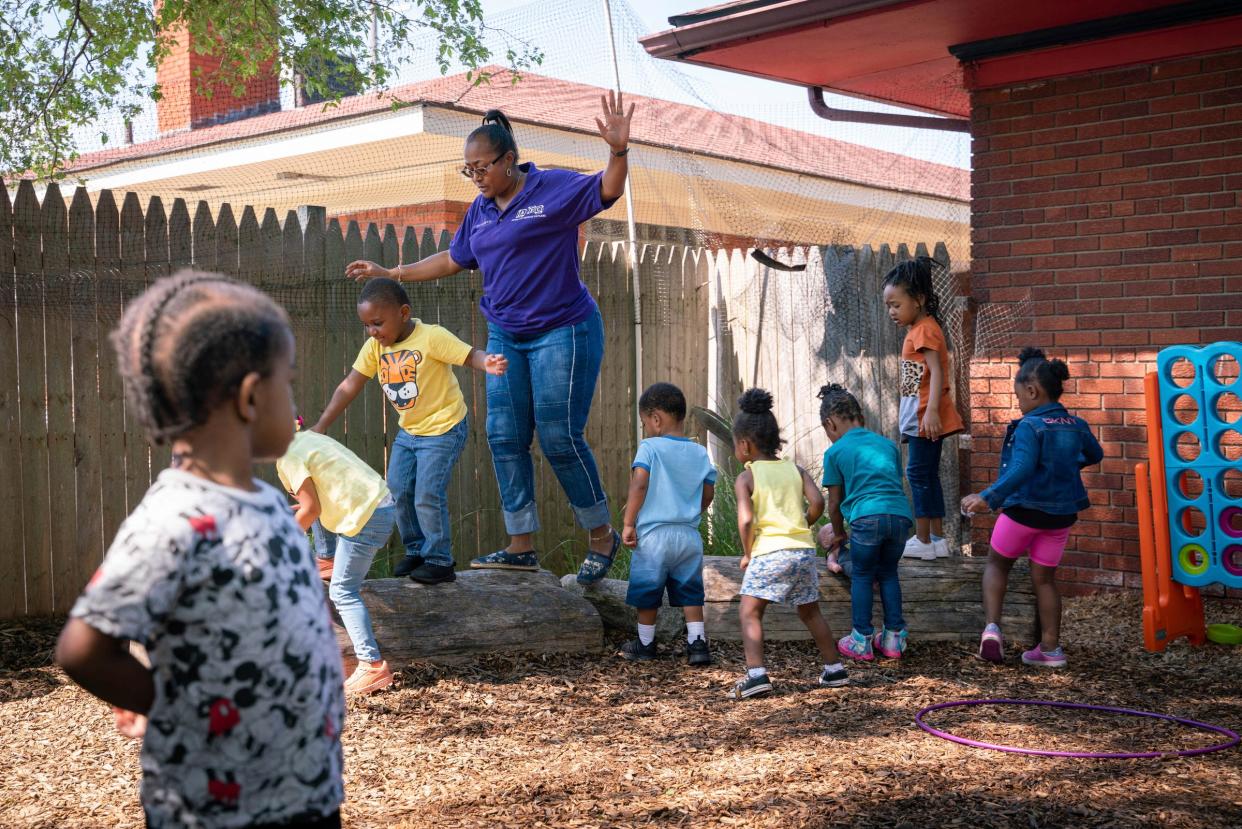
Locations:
(546, 390)
(353, 558)
(325, 541)
(923, 473)
(419, 470)
(877, 543)
(668, 555)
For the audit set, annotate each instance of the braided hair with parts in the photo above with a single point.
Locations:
(836, 401)
(756, 423)
(496, 131)
(185, 345)
(914, 276)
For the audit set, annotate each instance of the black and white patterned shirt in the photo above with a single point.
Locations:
(219, 585)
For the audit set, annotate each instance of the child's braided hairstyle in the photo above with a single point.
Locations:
(187, 342)
(756, 423)
(836, 401)
(914, 276)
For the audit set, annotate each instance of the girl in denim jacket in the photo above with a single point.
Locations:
(1039, 492)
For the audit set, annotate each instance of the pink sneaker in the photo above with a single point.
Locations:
(1044, 659)
(992, 645)
(855, 646)
(891, 643)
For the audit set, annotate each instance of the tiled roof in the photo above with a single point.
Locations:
(547, 101)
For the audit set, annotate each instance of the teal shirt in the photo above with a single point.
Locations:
(868, 466)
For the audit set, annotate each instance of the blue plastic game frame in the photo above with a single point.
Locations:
(1214, 554)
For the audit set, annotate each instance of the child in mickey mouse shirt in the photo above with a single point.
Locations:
(413, 362)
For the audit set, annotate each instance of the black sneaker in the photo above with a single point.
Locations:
(751, 686)
(406, 565)
(635, 651)
(834, 679)
(426, 573)
(698, 652)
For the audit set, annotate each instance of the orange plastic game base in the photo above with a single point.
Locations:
(1170, 610)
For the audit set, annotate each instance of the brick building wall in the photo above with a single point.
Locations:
(1110, 201)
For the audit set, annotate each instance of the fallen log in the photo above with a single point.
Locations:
(941, 600)
(483, 612)
(608, 596)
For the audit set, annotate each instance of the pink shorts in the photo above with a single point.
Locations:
(1011, 539)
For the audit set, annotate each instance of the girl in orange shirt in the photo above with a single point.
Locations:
(927, 414)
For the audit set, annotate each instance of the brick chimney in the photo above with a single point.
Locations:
(183, 107)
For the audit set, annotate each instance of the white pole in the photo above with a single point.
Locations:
(633, 244)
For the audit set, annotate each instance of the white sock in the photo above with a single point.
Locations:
(834, 667)
(646, 633)
(751, 673)
(694, 630)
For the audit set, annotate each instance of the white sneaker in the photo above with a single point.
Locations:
(920, 549)
(940, 545)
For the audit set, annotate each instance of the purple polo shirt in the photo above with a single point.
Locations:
(529, 253)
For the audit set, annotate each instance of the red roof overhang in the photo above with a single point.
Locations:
(898, 51)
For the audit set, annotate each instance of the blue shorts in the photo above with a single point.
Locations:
(668, 556)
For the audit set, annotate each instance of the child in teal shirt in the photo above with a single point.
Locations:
(862, 473)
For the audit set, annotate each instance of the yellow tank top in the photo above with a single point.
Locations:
(780, 514)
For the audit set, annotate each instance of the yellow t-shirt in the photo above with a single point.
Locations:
(780, 513)
(417, 378)
(349, 490)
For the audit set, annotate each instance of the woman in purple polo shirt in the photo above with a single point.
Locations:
(521, 231)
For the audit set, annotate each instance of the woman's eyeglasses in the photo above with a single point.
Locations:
(477, 173)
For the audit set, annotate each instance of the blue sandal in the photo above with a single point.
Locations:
(596, 565)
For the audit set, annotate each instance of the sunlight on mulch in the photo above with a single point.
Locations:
(600, 742)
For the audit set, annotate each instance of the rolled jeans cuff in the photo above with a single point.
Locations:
(522, 521)
(596, 515)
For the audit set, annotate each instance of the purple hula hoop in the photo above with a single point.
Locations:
(1232, 738)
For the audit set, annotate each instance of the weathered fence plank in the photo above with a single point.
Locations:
(159, 264)
(12, 484)
(111, 293)
(32, 378)
(77, 565)
(134, 277)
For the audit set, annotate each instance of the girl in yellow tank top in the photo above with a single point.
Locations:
(777, 502)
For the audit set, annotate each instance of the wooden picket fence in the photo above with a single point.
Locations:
(73, 464)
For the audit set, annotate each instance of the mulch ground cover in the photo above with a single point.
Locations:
(601, 742)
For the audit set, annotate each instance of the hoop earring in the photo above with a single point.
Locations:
(509, 172)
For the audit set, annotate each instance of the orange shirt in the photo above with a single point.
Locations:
(923, 339)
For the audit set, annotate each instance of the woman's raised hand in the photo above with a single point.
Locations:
(362, 270)
(615, 126)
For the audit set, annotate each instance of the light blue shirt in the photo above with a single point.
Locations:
(678, 469)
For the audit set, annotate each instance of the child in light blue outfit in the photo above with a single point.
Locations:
(672, 482)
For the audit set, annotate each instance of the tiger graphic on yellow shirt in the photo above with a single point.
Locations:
(398, 374)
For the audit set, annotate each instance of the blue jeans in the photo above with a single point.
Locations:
(419, 470)
(325, 541)
(876, 546)
(923, 473)
(546, 390)
(353, 559)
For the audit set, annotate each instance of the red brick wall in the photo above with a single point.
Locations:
(183, 107)
(1110, 200)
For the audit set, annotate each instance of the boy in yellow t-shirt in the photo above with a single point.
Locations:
(349, 499)
(413, 360)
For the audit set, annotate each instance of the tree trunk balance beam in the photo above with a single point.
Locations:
(941, 600)
(483, 612)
